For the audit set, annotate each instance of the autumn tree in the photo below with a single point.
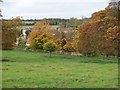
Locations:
(40, 35)
(43, 26)
(94, 37)
(38, 38)
(76, 41)
(112, 40)
(69, 47)
(10, 30)
(50, 46)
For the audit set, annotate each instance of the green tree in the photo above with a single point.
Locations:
(21, 43)
(50, 46)
(27, 33)
(73, 23)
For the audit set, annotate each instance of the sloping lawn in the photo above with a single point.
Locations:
(23, 69)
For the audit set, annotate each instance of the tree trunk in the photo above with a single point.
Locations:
(50, 53)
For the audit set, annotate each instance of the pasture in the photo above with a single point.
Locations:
(25, 69)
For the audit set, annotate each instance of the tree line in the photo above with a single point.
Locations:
(97, 35)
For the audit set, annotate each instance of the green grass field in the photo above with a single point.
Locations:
(52, 26)
(24, 27)
(37, 70)
(29, 22)
(55, 26)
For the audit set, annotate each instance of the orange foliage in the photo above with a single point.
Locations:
(10, 32)
(40, 35)
(99, 34)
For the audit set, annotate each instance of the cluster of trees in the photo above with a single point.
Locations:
(98, 35)
(42, 38)
(43, 34)
(63, 23)
(10, 31)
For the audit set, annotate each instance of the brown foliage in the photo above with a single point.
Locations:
(10, 32)
(98, 35)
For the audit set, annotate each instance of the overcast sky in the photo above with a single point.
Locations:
(31, 9)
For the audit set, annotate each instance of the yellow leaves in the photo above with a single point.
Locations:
(112, 33)
(99, 15)
(50, 46)
(45, 39)
(38, 38)
(39, 43)
(42, 26)
(17, 22)
(69, 47)
(113, 30)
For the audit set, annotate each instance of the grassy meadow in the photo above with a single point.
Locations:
(52, 26)
(24, 69)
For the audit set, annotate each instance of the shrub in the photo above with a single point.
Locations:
(50, 46)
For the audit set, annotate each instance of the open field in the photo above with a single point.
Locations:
(24, 27)
(52, 26)
(23, 69)
(29, 22)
